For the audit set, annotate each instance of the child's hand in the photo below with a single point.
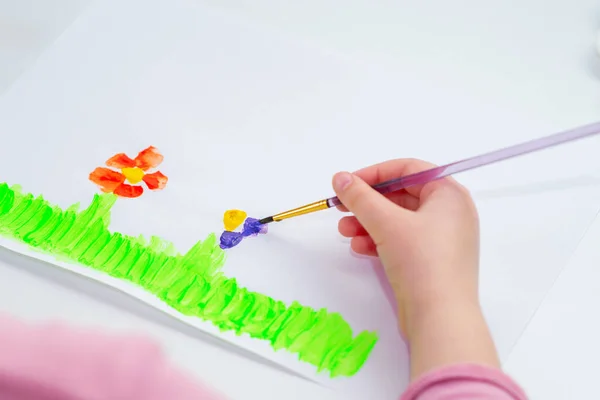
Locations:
(427, 238)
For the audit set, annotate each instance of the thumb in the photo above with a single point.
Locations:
(375, 212)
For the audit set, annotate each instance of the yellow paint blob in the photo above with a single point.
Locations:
(133, 175)
(233, 218)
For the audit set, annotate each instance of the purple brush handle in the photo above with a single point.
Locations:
(485, 159)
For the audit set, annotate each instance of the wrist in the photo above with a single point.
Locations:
(419, 309)
(422, 315)
(449, 331)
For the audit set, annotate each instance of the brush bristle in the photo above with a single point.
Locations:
(265, 220)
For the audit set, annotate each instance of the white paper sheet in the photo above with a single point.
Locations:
(249, 120)
(557, 356)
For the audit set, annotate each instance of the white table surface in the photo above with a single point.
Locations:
(557, 351)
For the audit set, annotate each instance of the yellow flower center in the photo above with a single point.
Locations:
(233, 218)
(133, 175)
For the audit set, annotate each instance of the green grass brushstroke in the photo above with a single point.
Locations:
(191, 283)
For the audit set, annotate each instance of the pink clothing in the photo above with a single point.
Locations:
(52, 362)
(464, 382)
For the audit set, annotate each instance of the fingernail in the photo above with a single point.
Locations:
(341, 181)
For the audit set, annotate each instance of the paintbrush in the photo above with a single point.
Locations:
(445, 170)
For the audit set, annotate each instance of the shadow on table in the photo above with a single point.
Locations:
(123, 301)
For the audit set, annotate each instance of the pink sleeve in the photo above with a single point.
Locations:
(53, 362)
(465, 382)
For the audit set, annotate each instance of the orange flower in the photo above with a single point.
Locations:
(133, 171)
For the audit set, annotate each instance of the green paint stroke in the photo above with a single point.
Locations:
(191, 283)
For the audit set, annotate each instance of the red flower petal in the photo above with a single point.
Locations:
(149, 158)
(125, 190)
(107, 179)
(120, 161)
(156, 180)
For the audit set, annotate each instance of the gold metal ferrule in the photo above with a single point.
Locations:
(307, 209)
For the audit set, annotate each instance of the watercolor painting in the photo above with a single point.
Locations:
(232, 219)
(192, 282)
(133, 171)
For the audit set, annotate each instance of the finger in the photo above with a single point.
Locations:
(350, 227)
(364, 245)
(342, 208)
(373, 210)
(394, 169)
(402, 198)
(448, 193)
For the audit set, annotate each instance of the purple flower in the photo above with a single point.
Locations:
(252, 227)
(230, 239)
